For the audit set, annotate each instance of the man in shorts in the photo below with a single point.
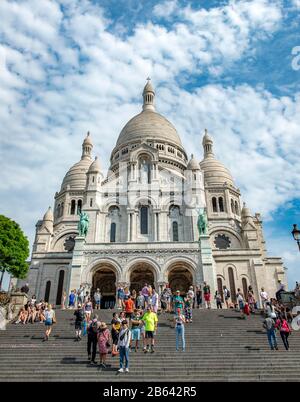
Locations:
(135, 330)
(150, 319)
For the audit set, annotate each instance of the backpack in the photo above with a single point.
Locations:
(228, 293)
(94, 327)
(284, 327)
(80, 315)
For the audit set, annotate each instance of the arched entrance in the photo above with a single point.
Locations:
(104, 278)
(180, 278)
(140, 274)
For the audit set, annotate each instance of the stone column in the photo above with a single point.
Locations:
(129, 226)
(77, 263)
(154, 226)
(163, 226)
(134, 223)
(228, 204)
(208, 266)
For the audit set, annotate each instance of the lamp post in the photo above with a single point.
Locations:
(296, 235)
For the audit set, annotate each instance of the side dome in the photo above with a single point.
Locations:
(214, 171)
(76, 175)
(149, 125)
(193, 164)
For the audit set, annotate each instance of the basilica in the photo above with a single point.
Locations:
(142, 220)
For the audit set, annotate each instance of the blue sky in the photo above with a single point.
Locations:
(69, 66)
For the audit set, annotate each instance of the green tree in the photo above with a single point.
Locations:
(14, 249)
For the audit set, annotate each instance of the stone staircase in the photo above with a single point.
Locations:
(220, 347)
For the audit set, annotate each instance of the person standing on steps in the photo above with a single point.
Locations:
(264, 298)
(178, 302)
(145, 293)
(92, 339)
(135, 330)
(129, 307)
(226, 296)
(154, 301)
(115, 330)
(218, 299)
(49, 321)
(63, 300)
(120, 295)
(284, 329)
(251, 300)
(269, 326)
(207, 296)
(123, 345)
(241, 303)
(199, 296)
(140, 301)
(188, 310)
(72, 298)
(80, 295)
(97, 299)
(79, 318)
(179, 321)
(88, 309)
(103, 343)
(150, 319)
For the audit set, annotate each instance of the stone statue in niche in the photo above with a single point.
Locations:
(144, 172)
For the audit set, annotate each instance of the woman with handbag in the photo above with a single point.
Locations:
(284, 330)
(103, 343)
(49, 321)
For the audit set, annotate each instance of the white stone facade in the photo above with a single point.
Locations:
(143, 220)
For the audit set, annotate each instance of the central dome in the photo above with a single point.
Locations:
(149, 125)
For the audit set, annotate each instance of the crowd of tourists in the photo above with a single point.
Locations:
(134, 326)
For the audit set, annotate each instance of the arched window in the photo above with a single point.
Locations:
(144, 220)
(221, 204)
(91, 202)
(175, 231)
(73, 207)
(245, 287)
(237, 208)
(113, 229)
(60, 287)
(214, 204)
(47, 291)
(232, 206)
(79, 206)
(58, 211)
(232, 284)
(61, 209)
(220, 287)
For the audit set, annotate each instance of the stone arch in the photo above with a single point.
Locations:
(147, 200)
(140, 271)
(90, 269)
(180, 273)
(103, 274)
(138, 153)
(112, 202)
